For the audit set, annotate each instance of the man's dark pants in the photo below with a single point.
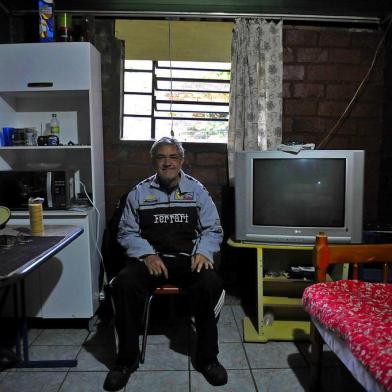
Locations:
(134, 282)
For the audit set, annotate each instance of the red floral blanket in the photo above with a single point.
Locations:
(361, 314)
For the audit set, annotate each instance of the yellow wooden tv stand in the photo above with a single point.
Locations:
(282, 327)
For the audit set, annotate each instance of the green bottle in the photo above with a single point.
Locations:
(54, 125)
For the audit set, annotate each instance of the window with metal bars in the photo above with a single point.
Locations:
(189, 100)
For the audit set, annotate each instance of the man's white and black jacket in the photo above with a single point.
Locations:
(184, 221)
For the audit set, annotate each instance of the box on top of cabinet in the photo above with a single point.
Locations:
(47, 66)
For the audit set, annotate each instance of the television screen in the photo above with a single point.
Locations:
(299, 192)
(289, 198)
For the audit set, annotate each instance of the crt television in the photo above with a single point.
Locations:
(288, 198)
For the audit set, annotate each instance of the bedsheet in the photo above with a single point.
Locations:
(360, 313)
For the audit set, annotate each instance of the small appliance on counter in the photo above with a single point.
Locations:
(17, 187)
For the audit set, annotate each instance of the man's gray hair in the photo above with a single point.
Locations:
(165, 141)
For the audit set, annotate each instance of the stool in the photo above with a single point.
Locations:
(166, 289)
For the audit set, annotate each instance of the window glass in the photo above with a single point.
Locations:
(192, 98)
(191, 74)
(137, 104)
(194, 130)
(187, 114)
(194, 64)
(137, 128)
(140, 82)
(138, 64)
(191, 86)
(192, 108)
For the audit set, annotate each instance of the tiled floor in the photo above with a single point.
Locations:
(274, 366)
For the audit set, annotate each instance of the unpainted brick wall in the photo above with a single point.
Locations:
(323, 67)
(385, 189)
(128, 162)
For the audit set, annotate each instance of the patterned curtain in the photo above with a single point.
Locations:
(255, 121)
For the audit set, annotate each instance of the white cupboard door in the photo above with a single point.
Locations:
(66, 282)
(45, 66)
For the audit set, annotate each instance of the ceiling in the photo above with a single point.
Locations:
(342, 8)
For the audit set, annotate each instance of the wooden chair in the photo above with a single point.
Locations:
(326, 255)
(166, 289)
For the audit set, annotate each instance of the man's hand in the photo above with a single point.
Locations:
(156, 266)
(199, 261)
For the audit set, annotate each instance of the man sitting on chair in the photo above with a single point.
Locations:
(170, 230)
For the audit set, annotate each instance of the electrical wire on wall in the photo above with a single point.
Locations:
(361, 86)
(96, 239)
(171, 82)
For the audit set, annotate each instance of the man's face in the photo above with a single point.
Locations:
(168, 163)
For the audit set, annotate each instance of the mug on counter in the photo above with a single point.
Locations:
(19, 137)
(53, 140)
(31, 137)
(7, 136)
(42, 140)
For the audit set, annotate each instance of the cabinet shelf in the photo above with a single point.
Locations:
(50, 214)
(53, 94)
(280, 287)
(287, 280)
(282, 301)
(279, 330)
(69, 158)
(279, 294)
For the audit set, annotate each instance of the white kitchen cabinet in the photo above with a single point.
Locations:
(37, 80)
(38, 67)
(66, 286)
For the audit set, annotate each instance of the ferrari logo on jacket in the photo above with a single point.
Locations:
(171, 218)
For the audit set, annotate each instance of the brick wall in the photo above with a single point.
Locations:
(385, 193)
(323, 67)
(128, 162)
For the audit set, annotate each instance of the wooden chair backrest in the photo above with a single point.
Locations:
(325, 255)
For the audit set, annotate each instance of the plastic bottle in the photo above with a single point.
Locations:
(268, 318)
(46, 20)
(64, 27)
(54, 125)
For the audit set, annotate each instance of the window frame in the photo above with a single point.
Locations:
(154, 111)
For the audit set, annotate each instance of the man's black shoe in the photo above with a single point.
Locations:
(118, 377)
(213, 372)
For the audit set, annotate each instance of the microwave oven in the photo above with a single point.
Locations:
(55, 187)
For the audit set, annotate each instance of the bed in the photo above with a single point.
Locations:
(353, 318)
